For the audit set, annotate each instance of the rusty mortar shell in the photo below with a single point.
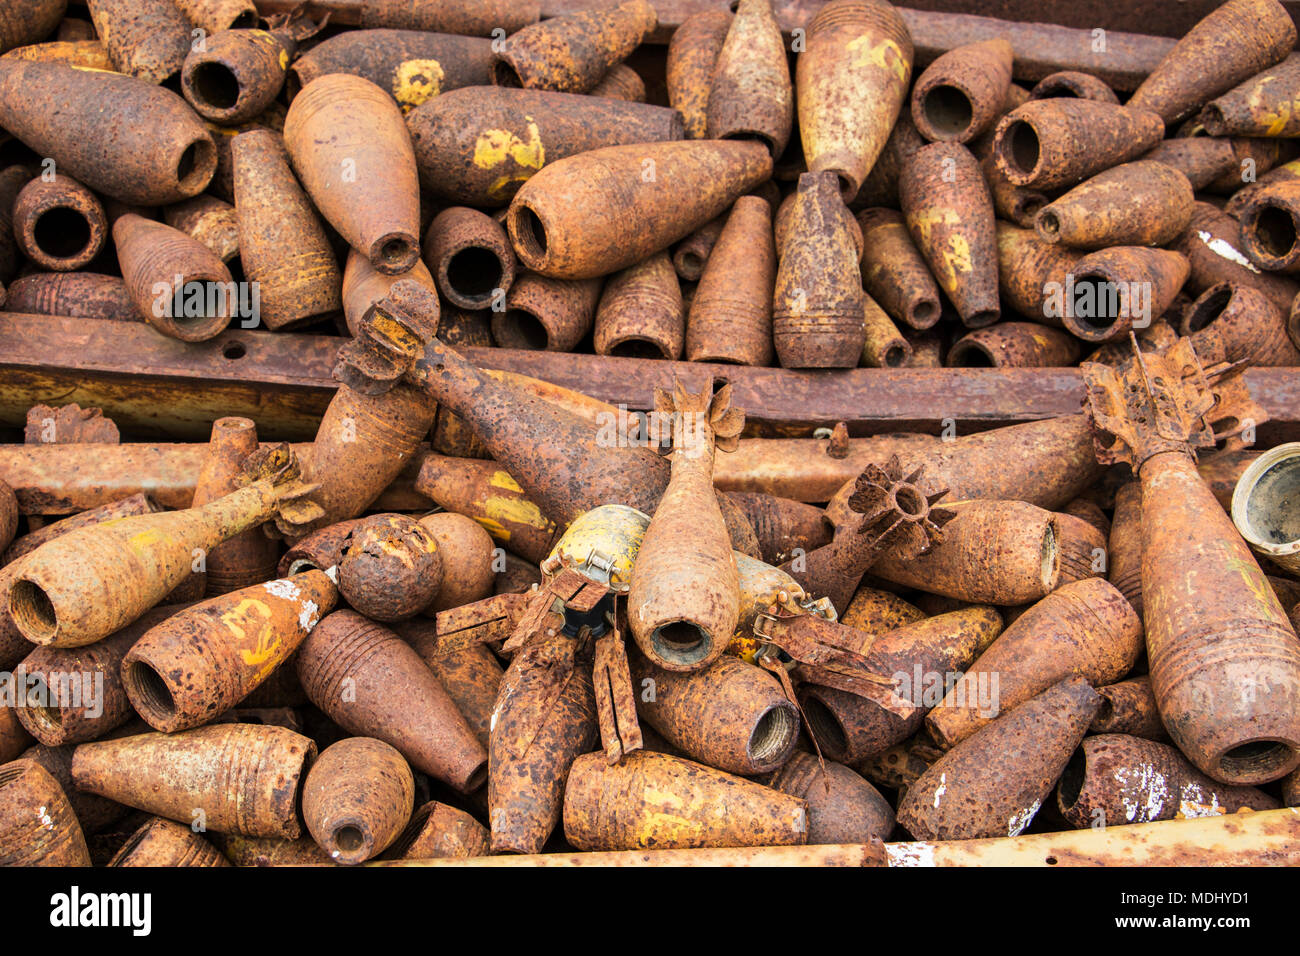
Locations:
(692, 254)
(1243, 323)
(437, 832)
(1056, 143)
(852, 79)
(731, 312)
(949, 212)
(161, 842)
(1202, 159)
(884, 346)
(237, 74)
(1262, 508)
(470, 256)
(1082, 547)
(960, 94)
(751, 96)
(1142, 203)
(363, 287)
(214, 16)
(478, 145)
(982, 145)
(37, 825)
(146, 39)
(546, 314)
(894, 273)
(200, 662)
(14, 738)
(370, 682)
(1129, 707)
(881, 185)
(269, 851)
(1073, 84)
(283, 246)
(210, 220)
(413, 66)
(468, 558)
(876, 611)
(627, 805)
(391, 568)
(350, 148)
(731, 715)
(992, 552)
(170, 275)
(530, 755)
(20, 26)
(570, 53)
(1014, 345)
(471, 674)
(87, 54)
(1082, 629)
(1235, 41)
(781, 524)
(95, 813)
(1259, 107)
(1269, 222)
(222, 184)
(59, 224)
(318, 551)
(1124, 548)
(760, 586)
(79, 692)
(357, 799)
(918, 656)
(1287, 171)
(244, 778)
(1213, 247)
(692, 59)
(1255, 157)
(1029, 269)
(477, 18)
(1115, 779)
(567, 220)
(972, 790)
(249, 557)
(817, 310)
(620, 82)
(842, 807)
(641, 314)
(1117, 289)
(1017, 204)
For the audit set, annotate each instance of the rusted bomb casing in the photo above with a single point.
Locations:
(960, 94)
(37, 825)
(81, 53)
(146, 39)
(363, 287)
(460, 328)
(471, 674)
(566, 221)
(692, 253)
(469, 255)
(782, 524)
(1082, 629)
(1254, 156)
(1142, 203)
(256, 851)
(391, 695)
(1262, 508)
(1269, 222)
(318, 551)
(876, 611)
(1202, 159)
(692, 59)
(1124, 549)
(200, 662)
(884, 346)
(210, 220)
(530, 755)
(357, 799)
(351, 150)
(1014, 345)
(153, 257)
(245, 778)
(760, 586)
(1129, 707)
(391, 567)
(880, 188)
(59, 224)
(1260, 106)
(80, 692)
(995, 781)
(1082, 548)
(1213, 247)
(917, 656)
(163, 155)
(1236, 40)
(992, 552)
(817, 303)
(1055, 143)
(620, 82)
(1114, 779)
(237, 74)
(160, 842)
(547, 314)
(751, 96)
(250, 556)
(33, 22)
(731, 715)
(518, 577)
(1114, 290)
(641, 314)
(213, 16)
(468, 558)
(656, 800)
(1241, 322)
(1033, 273)
(842, 807)
(731, 312)
(476, 18)
(438, 831)
(1074, 84)
(95, 813)
(479, 145)
(1016, 204)
(485, 492)
(894, 273)
(412, 66)
(852, 79)
(949, 213)
(570, 53)
(14, 738)
(282, 243)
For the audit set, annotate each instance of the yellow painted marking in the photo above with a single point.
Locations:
(502, 479)
(517, 510)
(886, 54)
(239, 620)
(495, 528)
(416, 81)
(495, 146)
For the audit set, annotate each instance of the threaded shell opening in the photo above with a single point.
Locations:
(41, 709)
(680, 643)
(1020, 147)
(530, 234)
(971, 355)
(1256, 761)
(895, 356)
(1207, 308)
(947, 110)
(61, 232)
(150, 691)
(393, 254)
(1049, 225)
(197, 163)
(33, 611)
(1271, 514)
(1107, 303)
(773, 736)
(348, 838)
(924, 313)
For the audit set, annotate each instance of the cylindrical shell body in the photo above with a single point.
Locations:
(146, 39)
(357, 799)
(751, 96)
(1071, 83)
(1261, 106)
(893, 271)
(1032, 273)
(213, 16)
(438, 831)
(1242, 324)
(692, 59)
(692, 253)
(318, 551)
(37, 825)
(621, 82)
(1014, 345)
(884, 346)
(363, 287)
(236, 74)
(553, 315)
(876, 611)
(1082, 546)
(1269, 220)
(475, 18)
(641, 314)
(1124, 549)
(1016, 204)
(731, 311)
(1142, 203)
(842, 807)
(86, 295)
(471, 675)
(781, 524)
(1116, 289)
(33, 22)
(210, 220)
(469, 255)
(960, 94)
(1214, 250)
(1129, 707)
(161, 842)
(59, 224)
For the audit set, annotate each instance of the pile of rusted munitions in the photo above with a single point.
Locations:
(1066, 641)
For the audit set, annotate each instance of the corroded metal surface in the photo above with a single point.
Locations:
(569, 54)
(161, 842)
(357, 799)
(692, 58)
(751, 95)
(37, 825)
(731, 311)
(960, 94)
(59, 224)
(391, 567)
(842, 807)
(1014, 345)
(1142, 203)
(641, 313)
(1129, 707)
(237, 74)
(470, 256)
